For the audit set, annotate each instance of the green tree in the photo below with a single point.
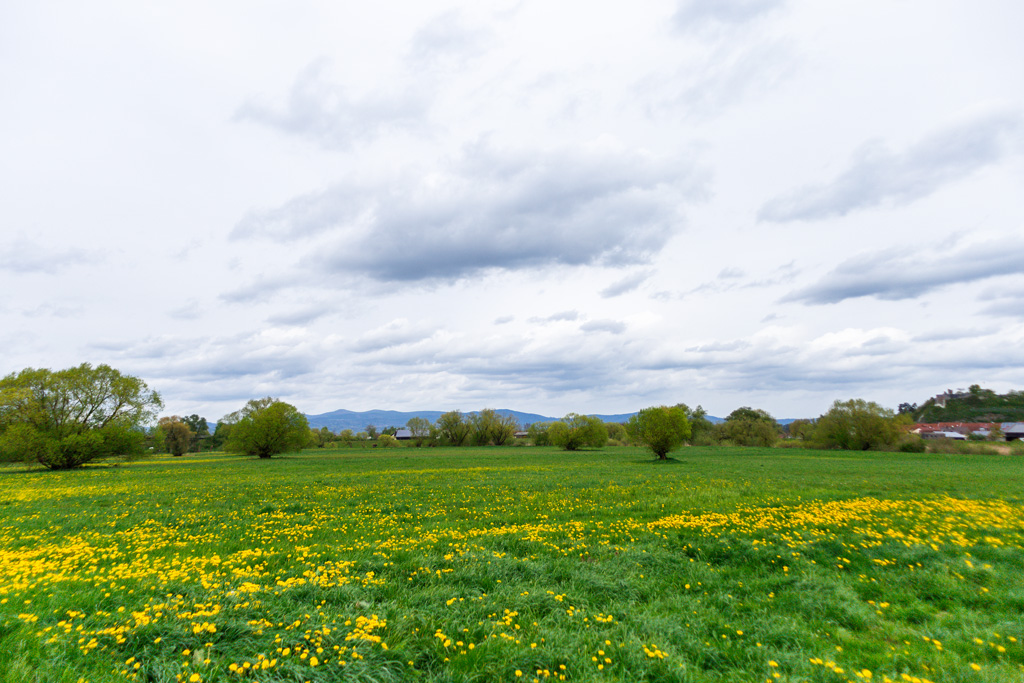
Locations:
(371, 431)
(266, 427)
(660, 428)
(419, 429)
(177, 435)
(321, 437)
(491, 427)
(801, 429)
(859, 425)
(749, 427)
(538, 433)
(453, 428)
(200, 431)
(702, 430)
(70, 417)
(387, 440)
(575, 431)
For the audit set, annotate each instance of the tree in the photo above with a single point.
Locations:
(66, 418)
(265, 427)
(749, 427)
(538, 433)
(200, 430)
(907, 408)
(453, 428)
(859, 425)
(491, 427)
(320, 437)
(371, 431)
(575, 431)
(660, 428)
(419, 429)
(176, 433)
(801, 429)
(702, 430)
(386, 440)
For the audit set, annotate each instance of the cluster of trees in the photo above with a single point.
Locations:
(67, 418)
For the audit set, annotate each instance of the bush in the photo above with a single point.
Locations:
(913, 444)
(575, 431)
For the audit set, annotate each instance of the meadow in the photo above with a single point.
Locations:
(516, 564)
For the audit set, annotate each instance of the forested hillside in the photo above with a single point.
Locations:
(974, 405)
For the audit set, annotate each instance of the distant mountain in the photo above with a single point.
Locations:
(337, 420)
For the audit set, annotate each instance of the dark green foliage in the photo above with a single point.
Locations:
(575, 431)
(978, 405)
(749, 427)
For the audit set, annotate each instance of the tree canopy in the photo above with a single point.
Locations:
(660, 428)
(575, 431)
(66, 418)
(858, 425)
(749, 427)
(266, 427)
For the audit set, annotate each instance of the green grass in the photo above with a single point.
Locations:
(516, 564)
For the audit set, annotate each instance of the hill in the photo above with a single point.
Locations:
(974, 405)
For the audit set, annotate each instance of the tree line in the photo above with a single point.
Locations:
(67, 418)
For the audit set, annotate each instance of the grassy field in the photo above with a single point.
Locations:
(516, 564)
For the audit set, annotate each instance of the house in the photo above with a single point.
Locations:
(1012, 430)
(403, 434)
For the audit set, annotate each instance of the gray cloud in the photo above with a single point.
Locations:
(903, 274)
(328, 114)
(447, 39)
(493, 210)
(395, 333)
(25, 256)
(876, 175)
(561, 316)
(696, 13)
(626, 284)
(610, 326)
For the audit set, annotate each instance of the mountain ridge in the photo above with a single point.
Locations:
(337, 420)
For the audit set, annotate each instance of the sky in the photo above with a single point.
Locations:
(550, 207)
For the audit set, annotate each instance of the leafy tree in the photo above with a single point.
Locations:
(859, 425)
(660, 428)
(419, 428)
(176, 434)
(200, 431)
(801, 429)
(387, 440)
(538, 433)
(266, 426)
(490, 427)
(347, 436)
(575, 431)
(392, 430)
(749, 427)
(907, 408)
(702, 430)
(70, 417)
(371, 431)
(616, 432)
(320, 437)
(453, 428)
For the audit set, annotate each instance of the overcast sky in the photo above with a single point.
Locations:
(546, 206)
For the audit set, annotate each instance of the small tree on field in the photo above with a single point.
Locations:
(661, 429)
(386, 440)
(266, 426)
(177, 435)
(419, 429)
(575, 431)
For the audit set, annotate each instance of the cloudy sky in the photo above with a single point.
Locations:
(547, 206)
